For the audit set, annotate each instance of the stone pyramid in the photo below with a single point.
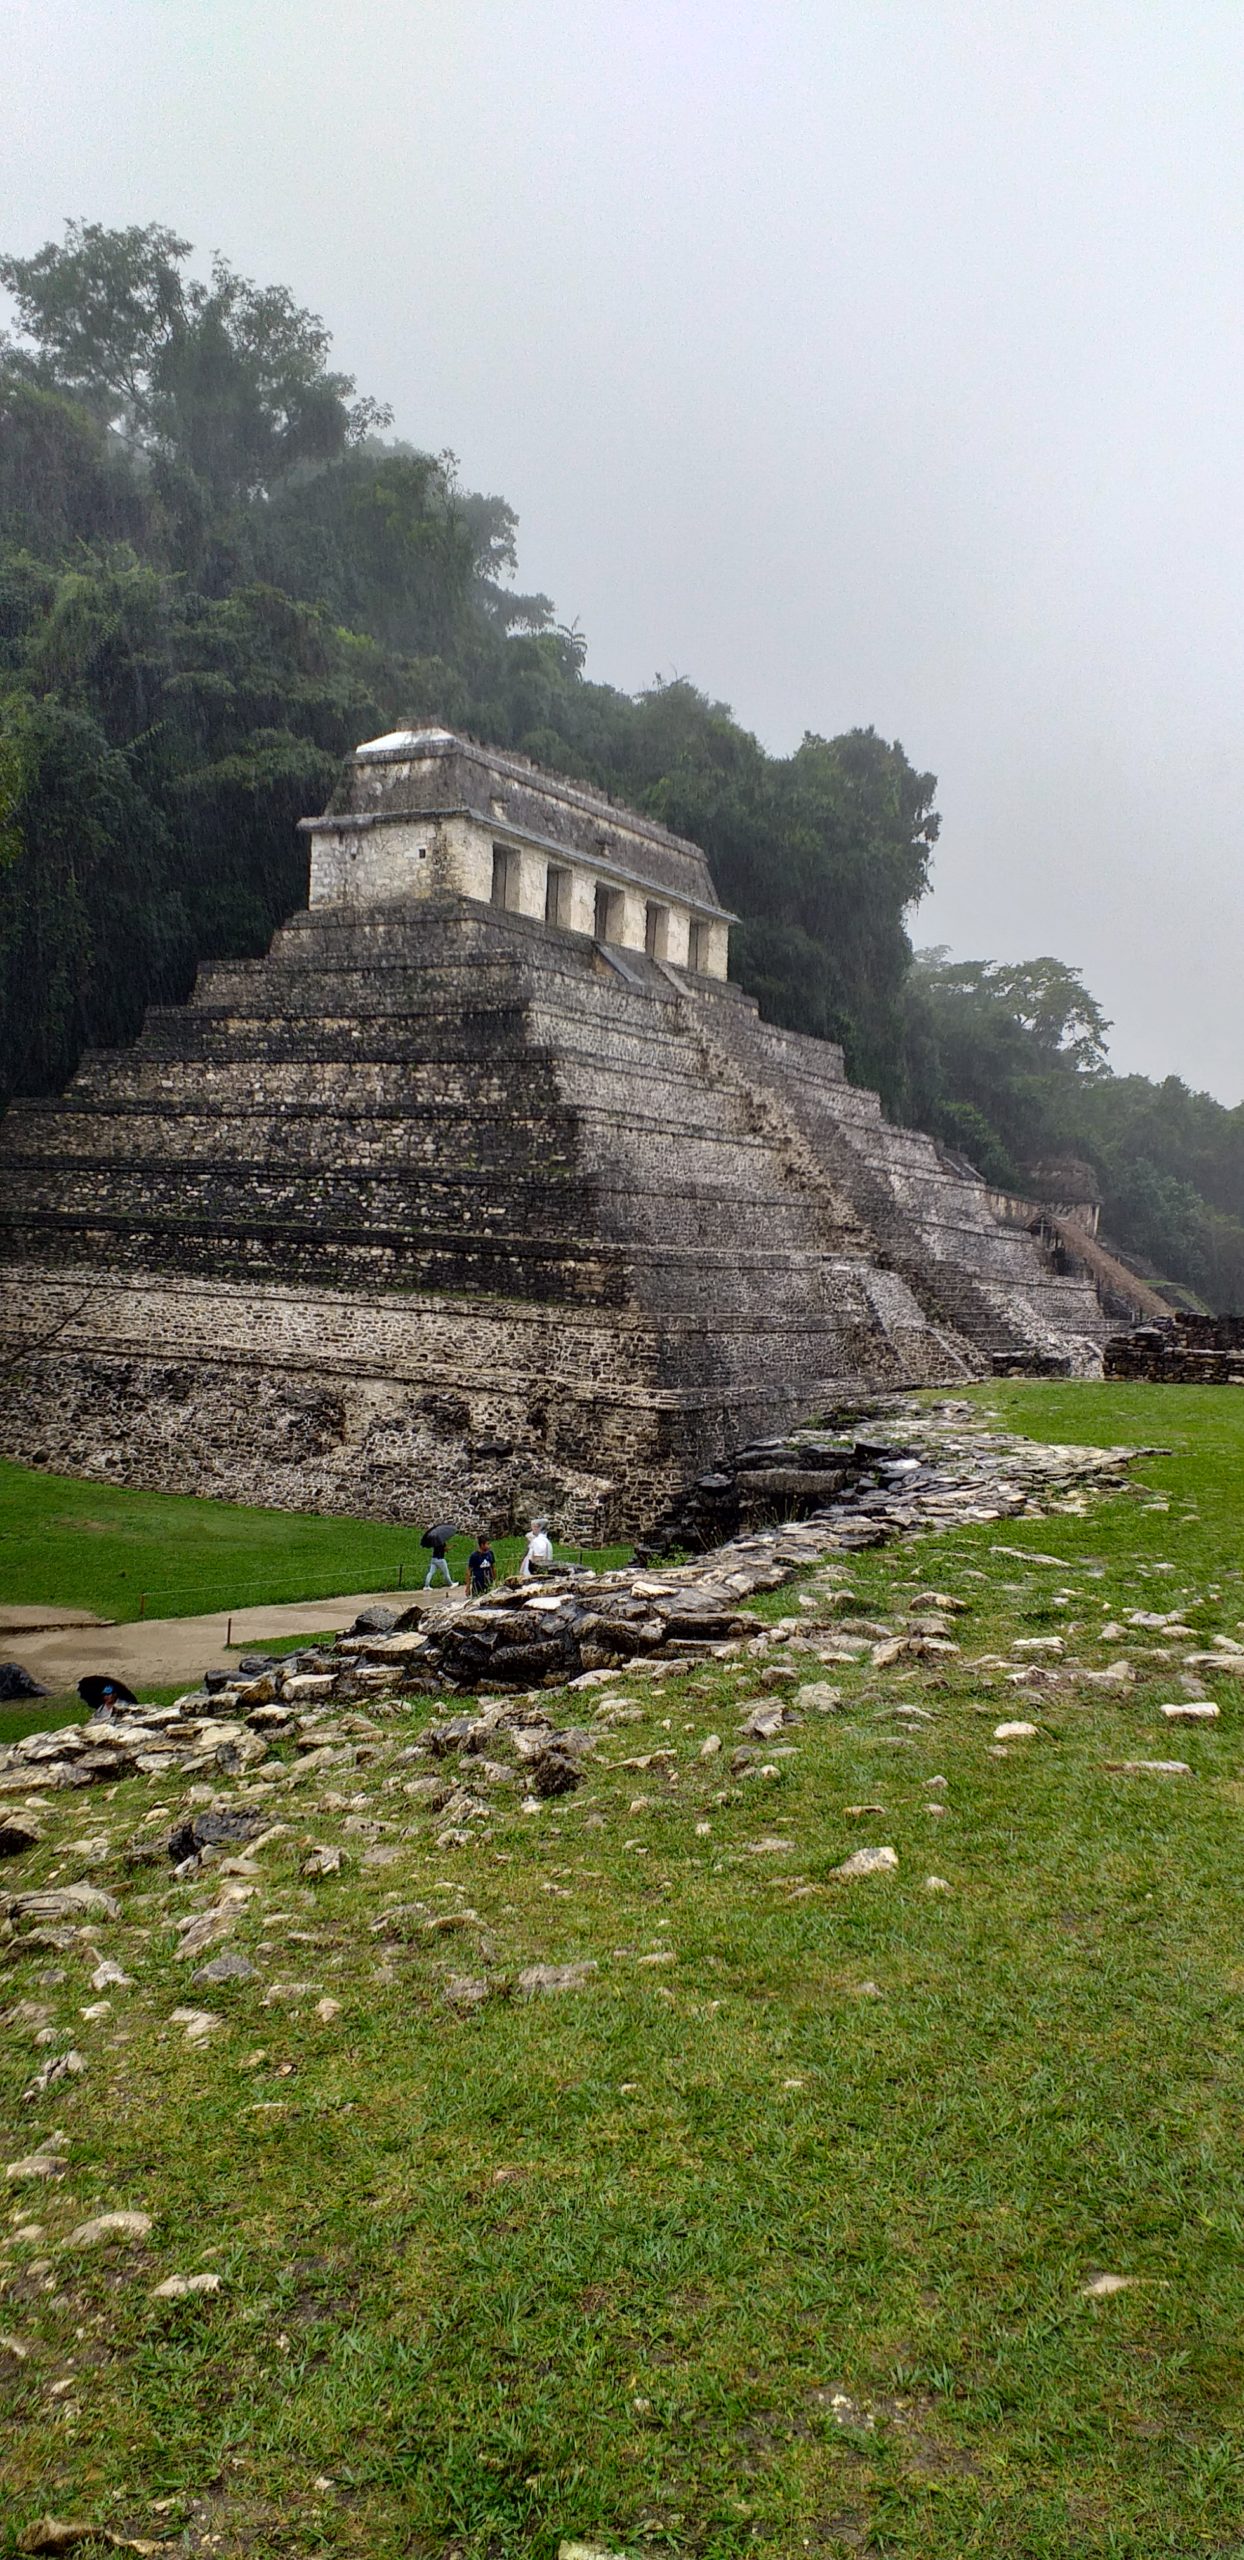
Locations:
(484, 1192)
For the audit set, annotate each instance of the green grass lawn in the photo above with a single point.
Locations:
(162, 1555)
(40, 1715)
(776, 2246)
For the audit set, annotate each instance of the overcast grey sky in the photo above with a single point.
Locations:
(864, 360)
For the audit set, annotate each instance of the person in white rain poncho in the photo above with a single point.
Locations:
(539, 1554)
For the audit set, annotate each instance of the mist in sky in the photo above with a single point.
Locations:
(863, 361)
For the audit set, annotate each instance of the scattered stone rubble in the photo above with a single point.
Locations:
(266, 1727)
(930, 1468)
(863, 1478)
(197, 1736)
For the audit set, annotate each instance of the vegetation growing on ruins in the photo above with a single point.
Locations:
(216, 575)
(779, 2232)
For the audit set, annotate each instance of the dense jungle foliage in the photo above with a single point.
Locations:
(217, 574)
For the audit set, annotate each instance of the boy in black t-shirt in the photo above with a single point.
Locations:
(481, 1567)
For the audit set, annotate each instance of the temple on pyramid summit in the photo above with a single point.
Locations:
(485, 1192)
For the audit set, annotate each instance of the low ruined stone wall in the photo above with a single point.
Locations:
(1205, 1351)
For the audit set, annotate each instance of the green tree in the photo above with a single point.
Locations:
(822, 854)
(62, 480)
(381, 540)
(228, 380)
(1052, 1004)
(91, 924)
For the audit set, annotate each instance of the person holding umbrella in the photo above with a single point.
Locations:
(437, 1539)
(104, 1695)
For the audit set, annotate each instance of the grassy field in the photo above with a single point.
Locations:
(774, 2237)
(162, 1555)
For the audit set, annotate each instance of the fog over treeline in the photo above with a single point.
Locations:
(218, 570)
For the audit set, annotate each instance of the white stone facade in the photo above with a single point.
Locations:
(429, 814)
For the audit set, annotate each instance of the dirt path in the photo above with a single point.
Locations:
(32, 1617)
(151, 1653)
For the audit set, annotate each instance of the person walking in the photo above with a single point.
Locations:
(481, 1566)
(437, 1540)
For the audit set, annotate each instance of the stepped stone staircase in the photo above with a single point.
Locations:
(1117, 1286)
(438, 1209)
(929, 1219)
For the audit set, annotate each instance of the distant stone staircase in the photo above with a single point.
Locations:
(1111, 1278)
(850, 1193)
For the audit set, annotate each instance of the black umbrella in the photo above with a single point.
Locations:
(99, 1690)
(441, 1534)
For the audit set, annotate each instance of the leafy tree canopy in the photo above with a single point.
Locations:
(1044, 998)
(229, 379)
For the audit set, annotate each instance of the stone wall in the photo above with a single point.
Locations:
(395, 1408)
(418, 772)
(1184, 1351)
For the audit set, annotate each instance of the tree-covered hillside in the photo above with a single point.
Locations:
(1008, 1064)
(217, 574)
